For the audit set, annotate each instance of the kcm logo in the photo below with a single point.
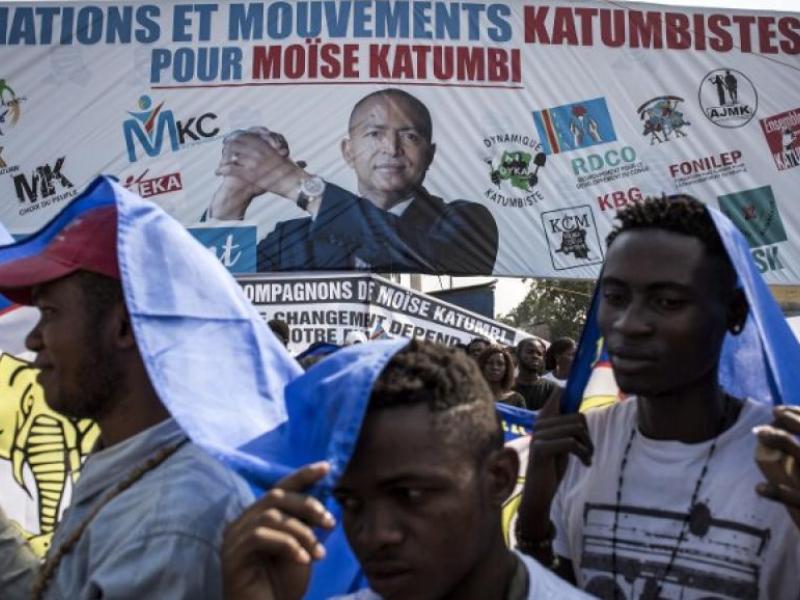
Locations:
(151, 125)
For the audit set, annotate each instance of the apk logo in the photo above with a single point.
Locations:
(151, 125)
(235, 247)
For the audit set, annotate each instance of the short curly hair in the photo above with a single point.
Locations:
(452, 387)
(679, 213)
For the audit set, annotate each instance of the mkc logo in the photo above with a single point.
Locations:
(149, 126)
(572, 237)
(42, 183)
(755, 213)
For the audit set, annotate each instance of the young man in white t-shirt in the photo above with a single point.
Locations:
(421, 497)
(658, 499)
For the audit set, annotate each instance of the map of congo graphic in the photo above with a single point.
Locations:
(45, 450)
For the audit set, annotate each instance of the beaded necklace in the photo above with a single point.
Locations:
(50, 565)
(698, 516)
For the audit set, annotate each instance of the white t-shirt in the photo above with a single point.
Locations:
(543, 584)
(747, 547)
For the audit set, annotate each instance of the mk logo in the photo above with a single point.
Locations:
(42, 183)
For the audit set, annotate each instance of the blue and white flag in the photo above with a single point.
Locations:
(760, 363)
(213, 361)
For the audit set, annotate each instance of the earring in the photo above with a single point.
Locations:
(737, 328)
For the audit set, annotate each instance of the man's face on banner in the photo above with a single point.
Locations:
(388, 148)
(416, 512)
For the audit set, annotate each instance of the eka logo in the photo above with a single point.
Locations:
(10, 106)
(755, 213)
(235, 247)
(728, 98)
(661, 118)
(783, 137)
(46, 185)
(514, 161)
(572, 237)
(150, 125)
(153, 186)
(574, 126)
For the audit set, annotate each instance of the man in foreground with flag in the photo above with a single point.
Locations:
(126, 338)
(421, 497)
(659, 499)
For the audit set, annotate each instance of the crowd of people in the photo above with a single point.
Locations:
(658, 496)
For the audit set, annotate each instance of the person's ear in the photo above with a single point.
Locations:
(347, 152)
(502, 468)
(122, 327)
(737, 311)
(431, 154)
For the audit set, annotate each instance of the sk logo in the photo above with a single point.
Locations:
(755, 213)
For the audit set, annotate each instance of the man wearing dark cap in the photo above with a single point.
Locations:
(393, 224)
(146, 515)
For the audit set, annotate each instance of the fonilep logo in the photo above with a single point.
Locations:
(151, 127)
(574, 126)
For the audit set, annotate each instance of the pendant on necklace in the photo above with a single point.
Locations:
(699, 519)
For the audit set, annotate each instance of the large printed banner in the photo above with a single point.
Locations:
(520, 127)
(320, 308)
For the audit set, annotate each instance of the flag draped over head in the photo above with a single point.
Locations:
(760, 362)
(212, 360)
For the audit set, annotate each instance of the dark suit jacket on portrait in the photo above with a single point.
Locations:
(431, 236)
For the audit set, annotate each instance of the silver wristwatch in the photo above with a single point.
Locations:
(310, 189)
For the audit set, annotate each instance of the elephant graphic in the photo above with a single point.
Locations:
(49, 444)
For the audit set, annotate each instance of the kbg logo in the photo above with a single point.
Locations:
(756, 214)
(514, 161)
(728, 98)
(148, 127)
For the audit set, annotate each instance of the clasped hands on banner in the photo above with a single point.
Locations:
(254, 161)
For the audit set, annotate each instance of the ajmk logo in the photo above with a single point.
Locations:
(151, 125)
(42, 183)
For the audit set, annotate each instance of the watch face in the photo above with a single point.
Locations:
(314, 186)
